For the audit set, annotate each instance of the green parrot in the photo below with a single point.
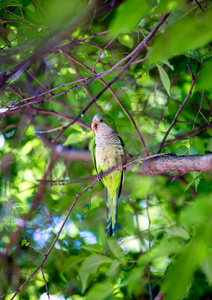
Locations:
(108, 151)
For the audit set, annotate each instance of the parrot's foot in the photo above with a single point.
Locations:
(121, 167)
(98, 176)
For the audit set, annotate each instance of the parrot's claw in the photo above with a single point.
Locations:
(121, 168)
(99, 176)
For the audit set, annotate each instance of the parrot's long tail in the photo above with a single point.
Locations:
(112, 212)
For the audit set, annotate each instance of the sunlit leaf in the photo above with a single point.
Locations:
(164, 79)
(128, 14)
(116, 250)
(207, 266)
(90, 266)
(100, 291)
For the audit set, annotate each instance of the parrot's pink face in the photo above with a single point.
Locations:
(100, 126)
(95, 124)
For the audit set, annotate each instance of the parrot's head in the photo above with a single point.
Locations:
(103, 124)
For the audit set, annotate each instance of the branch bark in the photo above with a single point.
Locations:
(177, 164)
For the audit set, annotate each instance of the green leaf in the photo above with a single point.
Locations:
(100, 291)
(178, 232)
(127, 15)
(126, 40)
(165, 61)
(25, 3)
(164, 79)
(179, 64)
(188, 185)
(92, 248)
(74, 138)
(182, 150)
(197, 181)
(137, 167)
(91, 266)
(114, 268)
(204, 81)
(193, 150)
(207, 266)
(209, 147)
(5, 3)
(180, 274)
(24, 242)
(132, 281)
(116, 250)
(179, 37)
(164, 248)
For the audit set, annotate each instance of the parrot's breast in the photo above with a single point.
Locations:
(109, 156)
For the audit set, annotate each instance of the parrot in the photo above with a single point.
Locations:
(108, 151)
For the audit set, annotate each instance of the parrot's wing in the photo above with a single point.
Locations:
(121, 184)
(123, 145)
(124, 161)
(122, 142)
(92, 146)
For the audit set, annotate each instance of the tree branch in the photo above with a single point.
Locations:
(176, 164)
(178, 113)
(134, 55)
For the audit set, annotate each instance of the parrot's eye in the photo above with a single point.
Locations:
(101, 120)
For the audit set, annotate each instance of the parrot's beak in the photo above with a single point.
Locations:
(94, 126)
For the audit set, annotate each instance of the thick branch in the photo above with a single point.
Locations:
(177, 164)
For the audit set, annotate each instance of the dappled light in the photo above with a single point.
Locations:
(147, 66)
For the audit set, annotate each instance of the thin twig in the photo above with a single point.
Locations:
(47, 112)
(100, 53)
(47, 291)
(200, 7)
(135, 53)
(74, 41)
(178, 113)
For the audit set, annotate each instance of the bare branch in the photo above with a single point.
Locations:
(47, 112)
(47, 291)
(178, 113)
(176, 164)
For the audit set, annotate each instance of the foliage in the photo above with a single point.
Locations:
(50, 54)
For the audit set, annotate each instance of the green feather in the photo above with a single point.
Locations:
(108, 120)
(113, 186)
(92, 150)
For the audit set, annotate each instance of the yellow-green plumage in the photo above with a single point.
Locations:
(108, 151)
